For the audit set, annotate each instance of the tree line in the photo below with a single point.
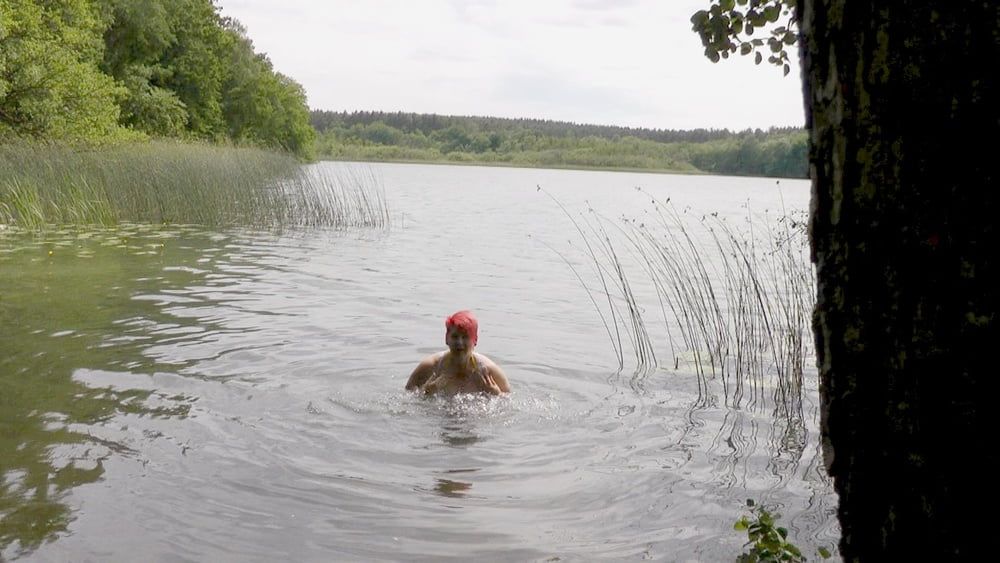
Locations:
(108, 70)
(778, 152)
(428, 123)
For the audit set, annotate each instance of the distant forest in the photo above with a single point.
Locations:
(399, 136)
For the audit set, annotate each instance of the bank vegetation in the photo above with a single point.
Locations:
(410, 137)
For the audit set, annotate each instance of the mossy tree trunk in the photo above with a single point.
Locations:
(902, 106)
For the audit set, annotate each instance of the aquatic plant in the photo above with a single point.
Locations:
(766, 540)
(736, 308)
(170, 182)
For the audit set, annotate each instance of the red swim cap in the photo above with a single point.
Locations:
(465, 321)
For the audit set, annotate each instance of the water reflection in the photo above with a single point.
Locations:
(452, 489)
(460, 416)
(65, 304)
(458, 436)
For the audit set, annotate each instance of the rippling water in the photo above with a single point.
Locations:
(171, 393)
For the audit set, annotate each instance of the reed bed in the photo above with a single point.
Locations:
(170, 182)
(734, 300)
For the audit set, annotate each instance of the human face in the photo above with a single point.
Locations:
(458, 340)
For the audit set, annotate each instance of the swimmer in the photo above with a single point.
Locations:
(459, 369)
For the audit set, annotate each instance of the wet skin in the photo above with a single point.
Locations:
(458, 370)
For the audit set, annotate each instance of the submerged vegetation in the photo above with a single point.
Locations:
(382, 136)
(167, 182)
(737, 310)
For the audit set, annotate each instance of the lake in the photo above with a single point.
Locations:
(170, 393)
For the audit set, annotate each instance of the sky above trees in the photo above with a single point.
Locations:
(635, 63)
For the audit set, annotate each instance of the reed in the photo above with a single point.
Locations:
(735, 300)
(173, 182)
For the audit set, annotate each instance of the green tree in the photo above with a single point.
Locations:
(196, 61)
(150, 108)
(137, 37)
(259, 105)
(50, 84)
(453, 139)
(381, 134)
(189, 72)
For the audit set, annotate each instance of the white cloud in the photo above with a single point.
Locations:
(634, 63)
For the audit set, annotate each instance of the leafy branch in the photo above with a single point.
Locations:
(728, 27)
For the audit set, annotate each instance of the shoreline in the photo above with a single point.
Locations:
(581, 167)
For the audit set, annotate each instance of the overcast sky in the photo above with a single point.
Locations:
(611, 62)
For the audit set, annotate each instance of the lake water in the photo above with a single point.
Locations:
(176, 394)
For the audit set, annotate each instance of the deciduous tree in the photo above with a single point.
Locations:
(901, 104)
(50, 83)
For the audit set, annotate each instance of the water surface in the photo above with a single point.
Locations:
(187, 394)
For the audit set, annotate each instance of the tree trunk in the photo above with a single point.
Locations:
(901, 102)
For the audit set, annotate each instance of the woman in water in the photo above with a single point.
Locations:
(459, 369)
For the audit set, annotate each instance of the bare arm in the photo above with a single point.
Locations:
(421, 373)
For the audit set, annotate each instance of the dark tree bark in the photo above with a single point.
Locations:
(902, 106)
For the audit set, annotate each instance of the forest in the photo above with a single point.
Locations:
(104, 71)
(97, 72)
(399, 136)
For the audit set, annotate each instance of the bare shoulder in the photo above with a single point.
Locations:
(423, 371)
(486, 361)
(433, 359)
(497, 373)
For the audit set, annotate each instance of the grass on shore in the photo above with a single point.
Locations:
(172, 182)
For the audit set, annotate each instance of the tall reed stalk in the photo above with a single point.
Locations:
(169, 182)
(735, 300)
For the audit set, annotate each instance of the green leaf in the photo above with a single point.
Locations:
(741, 525)
(824, 553)
(725, 26)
